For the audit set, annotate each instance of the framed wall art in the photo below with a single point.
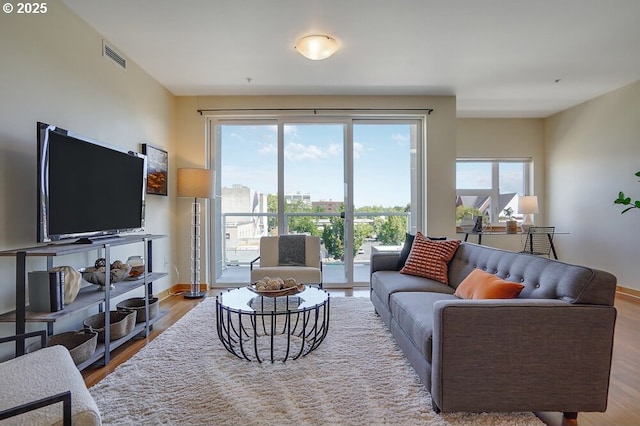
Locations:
(157, 169)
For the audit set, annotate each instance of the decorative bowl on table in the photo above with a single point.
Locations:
(276, 287)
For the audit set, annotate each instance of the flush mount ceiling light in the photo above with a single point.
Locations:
(317, 47)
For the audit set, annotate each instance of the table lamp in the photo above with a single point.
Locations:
(527, 206)
(195, 183)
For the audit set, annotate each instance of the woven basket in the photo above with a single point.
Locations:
(81, 344)
(137, 304)
(121, 324)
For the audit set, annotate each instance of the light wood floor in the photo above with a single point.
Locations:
(624, 391)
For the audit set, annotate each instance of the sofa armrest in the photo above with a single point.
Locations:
(385, 261)
(521, 355)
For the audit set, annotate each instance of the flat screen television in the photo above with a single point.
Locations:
(87, 189)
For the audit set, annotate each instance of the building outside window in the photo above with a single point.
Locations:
(486, 187)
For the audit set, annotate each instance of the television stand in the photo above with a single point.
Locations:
(88, 298)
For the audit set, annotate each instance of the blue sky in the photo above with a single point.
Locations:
(314, 161)
(477, 175)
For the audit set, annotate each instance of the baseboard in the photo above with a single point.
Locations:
(630, 293)
(177, 288)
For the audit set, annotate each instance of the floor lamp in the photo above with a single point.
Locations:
(195, 183)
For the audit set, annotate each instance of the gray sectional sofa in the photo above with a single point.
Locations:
(547, 350)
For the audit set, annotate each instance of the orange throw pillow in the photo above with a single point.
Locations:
(483, 285)
(429, 259)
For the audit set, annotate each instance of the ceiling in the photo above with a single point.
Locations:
(500, 58)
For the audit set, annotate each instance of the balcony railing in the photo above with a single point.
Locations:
(242, 232)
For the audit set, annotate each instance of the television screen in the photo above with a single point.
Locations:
(87, 188)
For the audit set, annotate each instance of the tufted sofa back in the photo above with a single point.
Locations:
(543, 278)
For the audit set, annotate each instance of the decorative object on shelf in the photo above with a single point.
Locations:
(137, 304)
(316, 47)
(626, 201)
(511, 223)
(121, 323)
(157, 169)
(136, 264)
(527, 206)
(195, 183)
(46, 291)
(81, 344)
(72, 279)
(97, 274)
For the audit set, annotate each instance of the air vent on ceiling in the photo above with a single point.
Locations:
(111, 53)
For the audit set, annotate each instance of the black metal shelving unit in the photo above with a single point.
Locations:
(88, 296)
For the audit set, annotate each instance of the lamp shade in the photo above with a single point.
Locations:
(317, 47)
(195, 183)
(528, 204)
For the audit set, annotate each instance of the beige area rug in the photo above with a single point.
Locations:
(357, 376)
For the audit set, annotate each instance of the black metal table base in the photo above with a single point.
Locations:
(276, 330)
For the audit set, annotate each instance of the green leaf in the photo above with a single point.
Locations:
(622, 199)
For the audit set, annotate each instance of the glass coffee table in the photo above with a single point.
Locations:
(261, 328)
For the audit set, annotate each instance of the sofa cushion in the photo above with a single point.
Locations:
(429, 258)
(414, 314)
(386, 283)
(483, 285)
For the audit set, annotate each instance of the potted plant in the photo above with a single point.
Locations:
(626, 201)
(511, 222)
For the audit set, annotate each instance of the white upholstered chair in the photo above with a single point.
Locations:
(33, 386)
(289, 256)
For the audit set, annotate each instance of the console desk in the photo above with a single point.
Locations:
(480, 234)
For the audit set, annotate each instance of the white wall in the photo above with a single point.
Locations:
(53, 71)
(504, 138)
(592, 153)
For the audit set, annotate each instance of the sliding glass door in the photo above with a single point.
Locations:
(353, 182)
(314, 201)
(385, 190)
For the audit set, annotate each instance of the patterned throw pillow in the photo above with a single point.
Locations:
(483, 285)
(406, 248)
(429, 259)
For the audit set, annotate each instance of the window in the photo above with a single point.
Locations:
(486, 187)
